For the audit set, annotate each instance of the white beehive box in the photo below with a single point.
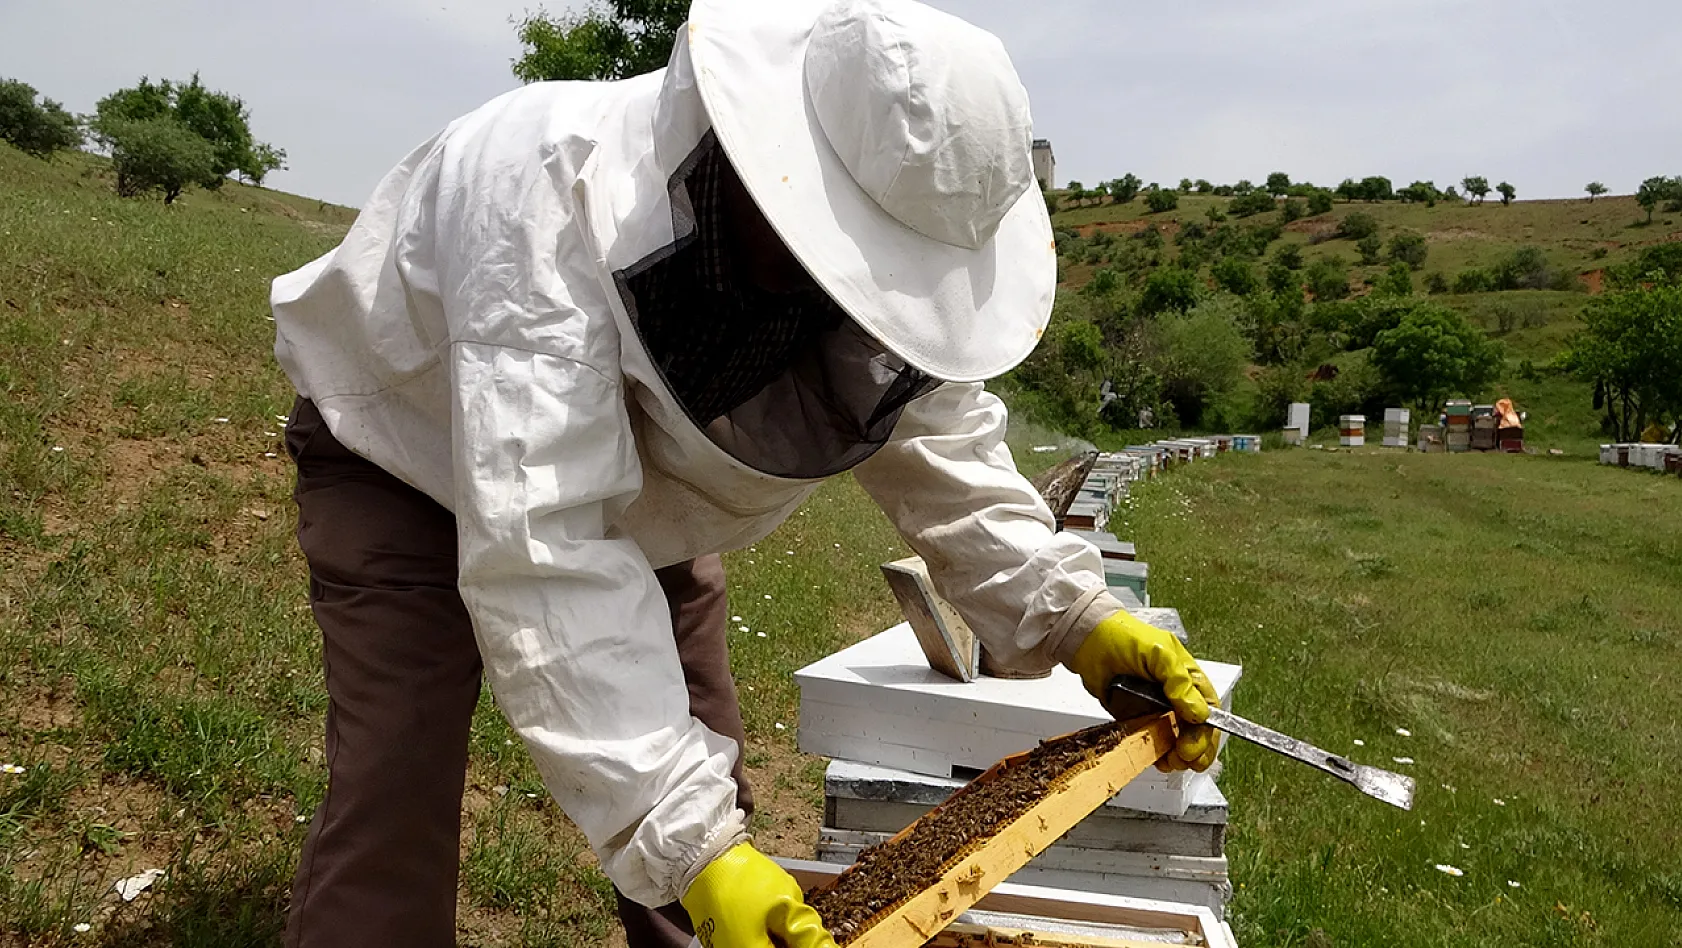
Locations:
(878, 702)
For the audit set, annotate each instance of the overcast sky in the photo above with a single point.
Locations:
(1548, 94)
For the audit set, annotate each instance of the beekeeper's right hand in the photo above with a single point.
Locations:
(1125, 645)
(744, 900)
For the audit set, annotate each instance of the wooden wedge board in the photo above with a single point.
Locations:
(947, 640)
(987, 863)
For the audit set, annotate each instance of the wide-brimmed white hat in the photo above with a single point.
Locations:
(890, 145)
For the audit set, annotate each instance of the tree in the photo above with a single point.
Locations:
(1432, 354)
(1169, 289)
(158, 154)
(1278, 184)
(1477, 187)
(1255, 202)
(1656, 189)
(221, 120)
(1125, 188)
(1630, 350)
(1203, 186)
(1320, 202)
(1375, 188)
(627, 38)
(264, 159)
(1235, 275)
(1327, 279)
(1200, 355)
(1409, 248)
(1161, 199)
(1186, 185)
(1289, 256)
(1243, 187)
(1348, 190)
(1076, 193)
(1369, 247)
(1595, 189)
(1357, 226)
(1420, 192)
(38, 129)
(1508, 192)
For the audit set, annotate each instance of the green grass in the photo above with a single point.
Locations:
(1516, 614)
(160, 682)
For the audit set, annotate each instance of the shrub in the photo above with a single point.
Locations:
(1161, 200)
(1289, 256)
(1357, 226)
(1369, 247)
(1200, 355)
(1396, 281)
(1436, 284)
(1235, 276)
(1474, 280)
(1169, 289)
(1327, 279)
(158, 155)
(1527, 268)
(38, 129)
(1409, 248)
(1320, 202)
(1292, 210)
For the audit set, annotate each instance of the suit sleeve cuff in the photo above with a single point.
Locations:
(1078, 621)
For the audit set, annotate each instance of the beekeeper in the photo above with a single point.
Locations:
(594, 334)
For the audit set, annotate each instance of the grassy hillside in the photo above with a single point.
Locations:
(160, 684)
(1578, 238)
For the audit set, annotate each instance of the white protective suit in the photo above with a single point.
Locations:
(469, 336)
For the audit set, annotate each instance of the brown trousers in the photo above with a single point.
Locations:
(379, 865)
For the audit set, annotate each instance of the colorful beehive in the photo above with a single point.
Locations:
(1247, 444)
(1395, 427)
(1459, 421)
(1352, 430)
(1108, 546)
(1124, 574)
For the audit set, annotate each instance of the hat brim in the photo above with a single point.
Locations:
(957, 314)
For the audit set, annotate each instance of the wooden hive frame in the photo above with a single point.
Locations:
(977, 870)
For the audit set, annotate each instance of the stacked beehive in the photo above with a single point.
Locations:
(1459, 412)
(1352, 430)
(1484, 425)
(1296, 423)
(1395, 427)
(903, 736)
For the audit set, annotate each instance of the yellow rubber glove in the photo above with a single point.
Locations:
(744, 900)
(1125, 645)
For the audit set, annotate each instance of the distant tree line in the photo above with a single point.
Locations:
(162, 136)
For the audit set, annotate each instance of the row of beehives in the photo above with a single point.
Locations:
(1657, 457)
(1106, 485)
(908, 715)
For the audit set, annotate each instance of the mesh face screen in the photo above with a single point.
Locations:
(785, 382)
